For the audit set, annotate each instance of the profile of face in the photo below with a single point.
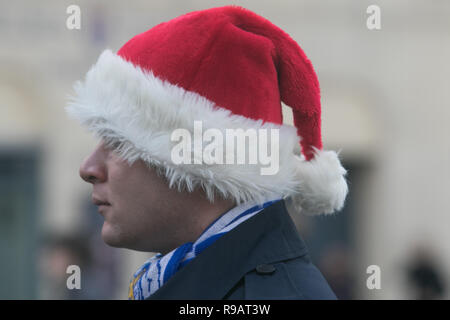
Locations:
(140, 211)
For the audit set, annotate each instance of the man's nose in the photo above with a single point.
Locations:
(93, 169)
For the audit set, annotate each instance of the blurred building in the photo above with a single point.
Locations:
(384, 97)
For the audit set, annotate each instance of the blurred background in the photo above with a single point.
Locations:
(385, 98)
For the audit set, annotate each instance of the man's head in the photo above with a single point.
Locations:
(141, 212)
(225, 68)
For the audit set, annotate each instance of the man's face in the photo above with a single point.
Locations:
(137, 205)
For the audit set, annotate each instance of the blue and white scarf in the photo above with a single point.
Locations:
(158, 269)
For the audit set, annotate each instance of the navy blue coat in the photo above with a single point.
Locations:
(262, 258)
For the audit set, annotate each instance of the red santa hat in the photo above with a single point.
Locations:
(229, 68)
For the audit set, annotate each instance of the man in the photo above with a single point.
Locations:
(214, 214)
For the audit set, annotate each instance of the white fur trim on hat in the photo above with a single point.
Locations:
(137, 112)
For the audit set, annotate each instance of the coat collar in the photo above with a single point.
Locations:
(270, 236)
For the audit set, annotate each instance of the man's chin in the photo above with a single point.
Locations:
(112, 237)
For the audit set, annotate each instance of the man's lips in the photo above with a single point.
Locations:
(99, 202)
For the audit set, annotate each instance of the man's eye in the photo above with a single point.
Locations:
(114, 146)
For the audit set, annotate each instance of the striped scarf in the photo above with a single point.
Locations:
(158, 269)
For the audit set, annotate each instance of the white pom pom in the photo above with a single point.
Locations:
(323, 187)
